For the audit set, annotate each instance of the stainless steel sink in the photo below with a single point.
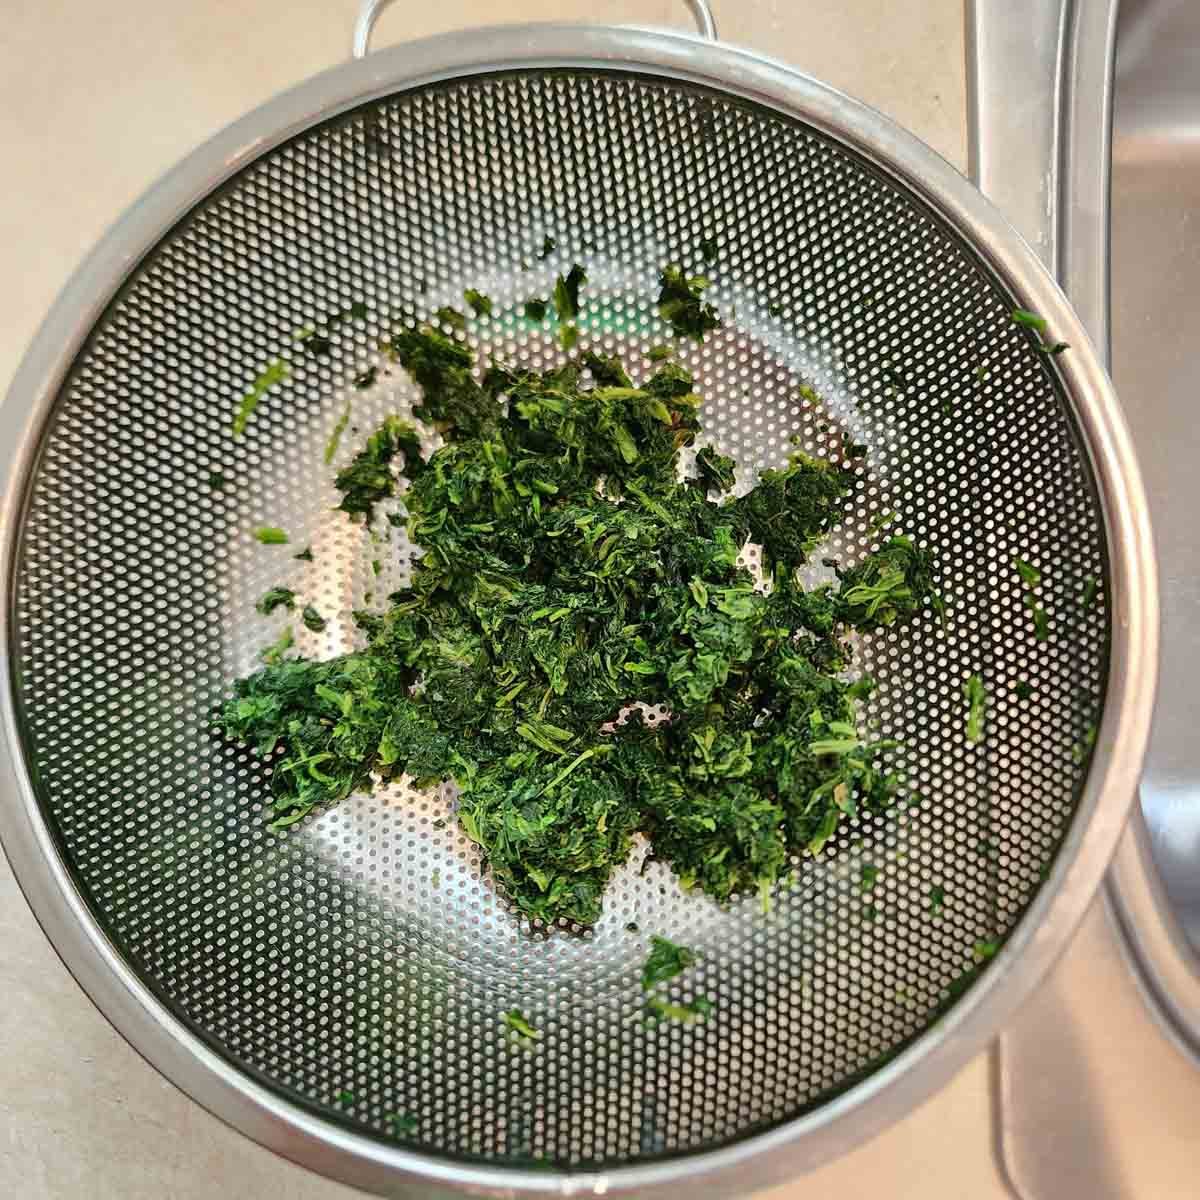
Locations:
(1156, 364)
(1098, 1080)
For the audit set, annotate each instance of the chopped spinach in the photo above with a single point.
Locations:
(1091, 589)
(566, 293)
(1085, 744)
(1031, 579)
(369, 479)
(890, 584)
(1029, 320)
(568, 572)
(714, 471)
(313, 619)
(676, 1010)
(273, 655)
(665, 961)
(450, 316)
(480, 304)
(984, 950)
(315, 340)
(517, 1022)
(1030, 575)
(276, 597)
(274, 372)
(976, 697)
(1041, 621)
(335, 436)
(681, 305)
(1038, 325)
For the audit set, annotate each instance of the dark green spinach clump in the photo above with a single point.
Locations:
(681, 304)
(369, 479)
(571, 583)
(664, 962)
(274, 598)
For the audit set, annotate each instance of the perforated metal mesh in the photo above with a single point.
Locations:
(363, 961)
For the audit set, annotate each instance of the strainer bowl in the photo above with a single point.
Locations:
(336, 992)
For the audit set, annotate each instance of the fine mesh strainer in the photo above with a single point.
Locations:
(312, 987)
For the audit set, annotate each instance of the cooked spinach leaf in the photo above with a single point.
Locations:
(480, 304)
(274, 372)
(276, 597)
(681, 305)
(569, 576)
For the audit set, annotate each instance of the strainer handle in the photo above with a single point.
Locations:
(369, 11)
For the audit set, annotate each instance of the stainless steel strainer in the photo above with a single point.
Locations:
(311, 988)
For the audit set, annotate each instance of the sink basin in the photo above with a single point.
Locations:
(1098, 1079)
(1045, 75)
(1156, 365)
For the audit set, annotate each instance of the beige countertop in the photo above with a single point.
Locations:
(96, 101)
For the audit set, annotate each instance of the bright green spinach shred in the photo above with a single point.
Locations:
(273, 655)
(273, 373)
(519, 1024)
(480, 304)
(665, 962)
(566, 293)
(1030, 575)
(1091, 589)
(976, 698)
(335, 436)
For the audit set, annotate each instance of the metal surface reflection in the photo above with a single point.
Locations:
(1156, 358)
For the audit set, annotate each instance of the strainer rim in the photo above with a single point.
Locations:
(1036, 940)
